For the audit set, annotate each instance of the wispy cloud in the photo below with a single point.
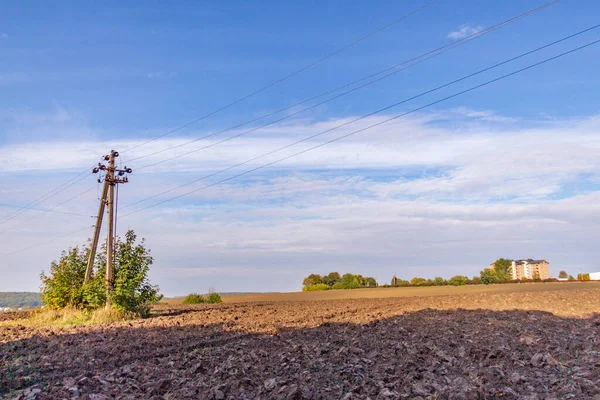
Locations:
(3, 35)
(464, 31)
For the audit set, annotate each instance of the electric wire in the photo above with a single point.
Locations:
(369, 127)
(340, 137)
(250, 95)
(367, 115)
(278, 81)
(394, 70)
(42, 209)
(10, 228)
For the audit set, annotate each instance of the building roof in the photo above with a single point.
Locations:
(530, 261)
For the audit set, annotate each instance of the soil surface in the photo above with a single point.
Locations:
(529, 345)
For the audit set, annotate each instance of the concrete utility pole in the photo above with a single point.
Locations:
(113, 177)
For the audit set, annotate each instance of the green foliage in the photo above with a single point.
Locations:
(536, 277)
(475, 281)
(20, 299)
(312, 279)
(194, 298)
(64, 286)
(132, 292)
(315, 288)
(502, 269)
(439, 281)
(458, 280)
(489, 276)
(563, 275)
(213, 297)
(418, 281)
(583, 277)
(571, 278)
(334, 281)
(348, 281)
(332, 278)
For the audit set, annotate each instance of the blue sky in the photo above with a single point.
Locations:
(493, 173)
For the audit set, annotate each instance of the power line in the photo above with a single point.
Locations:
(394, 70)
(46, 242)
(46, 210)
(41, 209)
(372, 113)
(270, 85)
(338, 138)
(45, 197)
(252, 94)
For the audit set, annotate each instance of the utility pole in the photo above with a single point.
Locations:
(113, 177)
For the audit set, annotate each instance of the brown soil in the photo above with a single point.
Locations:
(529, 345)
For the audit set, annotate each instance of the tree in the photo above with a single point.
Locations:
(583, 277)
(416, 281)
(489, 276)
(439, 281)
(458, 280)
(536, 276)
(312, 279)
(563, 275)
(332, 278)
(571, 278)
(132, 291)
(348, 281)
(371, 282)
(502, 269)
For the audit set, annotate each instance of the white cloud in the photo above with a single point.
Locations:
(413, 197)
(464, 31)
(3, 35)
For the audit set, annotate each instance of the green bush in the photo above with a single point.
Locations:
(458, 280)
(213, 297)
(416, 281)
(315, 288)
(194, 298)
(131, 293)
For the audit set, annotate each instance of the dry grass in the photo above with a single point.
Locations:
(402, 292)
(68, 317)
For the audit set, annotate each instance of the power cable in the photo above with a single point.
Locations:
(371, 114)
(252, 94)
(394, 68)
(42, 209)
(46, 210)
(270, 85)
(340, 137)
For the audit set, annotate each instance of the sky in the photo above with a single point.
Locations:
(510, 169)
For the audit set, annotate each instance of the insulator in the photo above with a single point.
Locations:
(95, 170)
(103, 167)
(106, 157)
(115, 153)
(121, 173)
(129, 170)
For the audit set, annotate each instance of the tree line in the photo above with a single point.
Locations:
(334, 280)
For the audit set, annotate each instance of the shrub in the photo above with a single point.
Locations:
(213, 297)
(458, 280)
(131, 293)
(583, 277)
(439, 281)
(316, 288)
(418, 281)
(194, 298)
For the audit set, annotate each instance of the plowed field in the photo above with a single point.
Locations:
(541, 344)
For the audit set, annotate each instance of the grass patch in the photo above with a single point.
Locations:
(71, 317)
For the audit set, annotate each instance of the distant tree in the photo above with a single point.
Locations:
(489, 276)
(312, 279)
(371, 282)
(502, 269)
(536, 276)
(348, 281)
(194, 298)
(316, 288)
(476, 280)
(332, 278)
(458, 280)
(563, 275)
(571, 278)
(418, 281)
(583, 277)
(439, 281)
